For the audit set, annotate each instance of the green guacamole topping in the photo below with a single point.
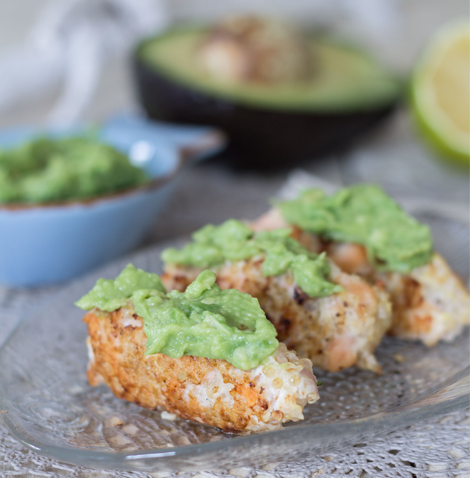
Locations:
(204, 321)
(111, 294)
(50, 170)
(366, 215)
(234, 241)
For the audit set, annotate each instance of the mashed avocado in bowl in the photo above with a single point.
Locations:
(71, 201)
(54, 170)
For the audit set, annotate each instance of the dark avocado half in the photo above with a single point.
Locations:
(268, 126)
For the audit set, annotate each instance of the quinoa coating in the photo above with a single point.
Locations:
(209, 391)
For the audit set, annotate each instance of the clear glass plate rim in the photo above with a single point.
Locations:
(407, 414)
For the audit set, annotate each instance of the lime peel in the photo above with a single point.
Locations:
(440, 127)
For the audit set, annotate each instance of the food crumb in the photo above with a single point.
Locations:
(399, 358)
(120, 441)
(130, 429)
(183, 441)
(240, 472)
(270, 466)
(116, 422)
(169, 416)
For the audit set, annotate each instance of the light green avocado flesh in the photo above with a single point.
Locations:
(111, 294)
(49, 170)
(234, 241)
(364, 214)
(204, 321)
(344, 79)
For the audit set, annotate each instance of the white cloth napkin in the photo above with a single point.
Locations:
(68, 47)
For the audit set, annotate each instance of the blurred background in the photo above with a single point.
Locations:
(396, 31)
(68, 60)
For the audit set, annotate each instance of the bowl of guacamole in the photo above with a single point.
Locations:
(52, 170)
(73, 199)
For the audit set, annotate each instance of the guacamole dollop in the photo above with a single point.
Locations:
(204, 321)
(234, 241)
(111, 294)
(51, 170)
(366, 215)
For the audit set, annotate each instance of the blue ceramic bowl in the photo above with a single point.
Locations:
(50, 243)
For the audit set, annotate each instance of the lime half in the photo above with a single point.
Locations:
(440, 90)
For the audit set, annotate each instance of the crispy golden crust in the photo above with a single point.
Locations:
(204, 390)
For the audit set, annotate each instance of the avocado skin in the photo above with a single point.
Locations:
(258, 138)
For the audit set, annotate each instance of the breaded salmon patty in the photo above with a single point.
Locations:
(209, 391)
(430, 303)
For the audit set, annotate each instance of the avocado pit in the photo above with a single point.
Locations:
(282, 96)
(250, 49)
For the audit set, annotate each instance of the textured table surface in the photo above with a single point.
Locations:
(436, 449)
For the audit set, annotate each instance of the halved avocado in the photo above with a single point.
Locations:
(273, 125)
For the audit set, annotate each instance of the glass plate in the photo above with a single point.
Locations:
(48, 405)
